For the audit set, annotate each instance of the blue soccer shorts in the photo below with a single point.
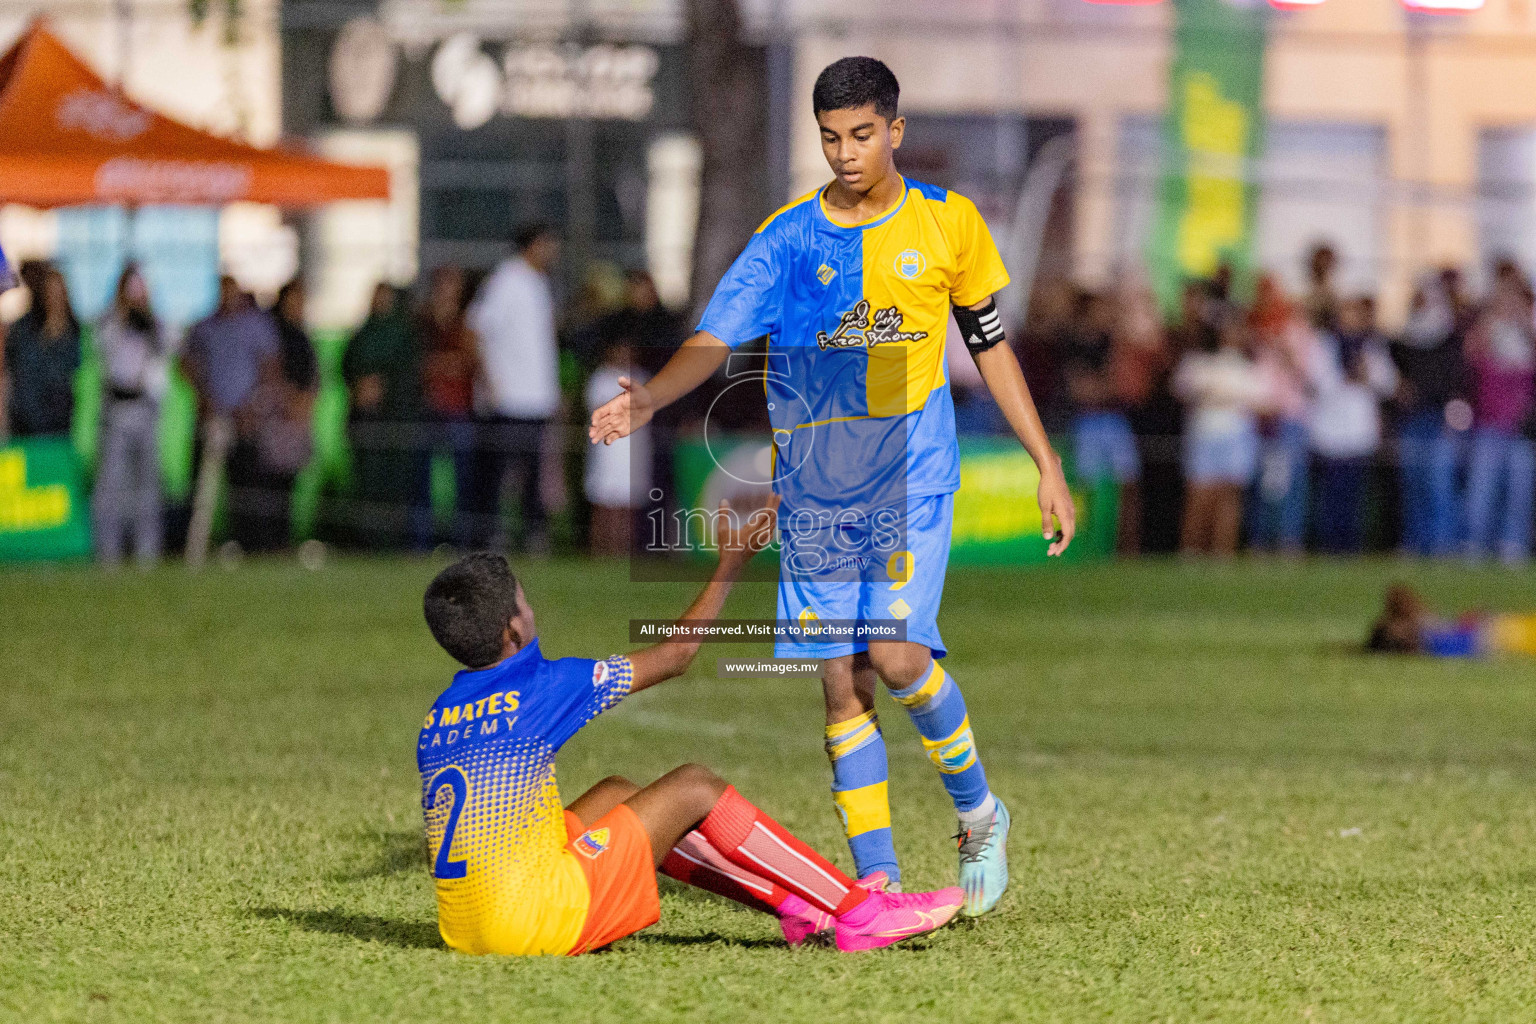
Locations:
(865, 568)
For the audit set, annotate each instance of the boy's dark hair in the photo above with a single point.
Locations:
(527, 234)
(468, 607)
(854, 81)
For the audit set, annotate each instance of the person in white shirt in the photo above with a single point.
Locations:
(1288, 347)
(1225, 392)
(1354, 375)
(618, 475)
(518, 394)
(135, 370)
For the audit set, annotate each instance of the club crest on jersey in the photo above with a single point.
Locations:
(590, 844)
(825, 274)
(910, 263)
(861, 328)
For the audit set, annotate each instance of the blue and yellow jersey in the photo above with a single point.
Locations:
(495, 824)
(856, 319)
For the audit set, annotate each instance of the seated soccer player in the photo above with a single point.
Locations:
(517, 873)
(1407, 626)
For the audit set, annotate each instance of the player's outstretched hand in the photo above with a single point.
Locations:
(740, 540)
(622, 415)
(1056, 503)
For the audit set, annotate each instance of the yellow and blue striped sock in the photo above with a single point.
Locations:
(938, 711)
(859, 776)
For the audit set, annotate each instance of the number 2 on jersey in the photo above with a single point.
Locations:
(452, 777)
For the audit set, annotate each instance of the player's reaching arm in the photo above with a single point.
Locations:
(745, 306)
(737, 546)
(983, 334)
(691, 365)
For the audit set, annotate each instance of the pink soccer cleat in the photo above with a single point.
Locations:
(888, 917)
(800, 920)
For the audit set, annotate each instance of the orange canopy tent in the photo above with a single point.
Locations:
(66, 138)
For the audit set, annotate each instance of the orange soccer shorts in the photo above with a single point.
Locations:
(615, 855)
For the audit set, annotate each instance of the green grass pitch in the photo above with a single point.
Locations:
(209, 807)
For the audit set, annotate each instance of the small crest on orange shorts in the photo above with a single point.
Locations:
(590, 844)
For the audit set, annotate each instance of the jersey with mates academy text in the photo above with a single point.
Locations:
(495, 824)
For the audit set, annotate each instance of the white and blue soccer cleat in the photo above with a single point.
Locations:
(984, 862)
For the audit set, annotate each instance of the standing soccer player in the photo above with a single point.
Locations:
(854, 285)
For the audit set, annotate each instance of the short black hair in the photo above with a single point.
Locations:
(527, 234)
(468, 607)
(853, 82)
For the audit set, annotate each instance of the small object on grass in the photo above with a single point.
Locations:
(312, 555)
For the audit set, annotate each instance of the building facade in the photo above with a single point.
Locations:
(1404, 139)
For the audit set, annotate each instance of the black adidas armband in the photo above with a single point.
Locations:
(981, 328)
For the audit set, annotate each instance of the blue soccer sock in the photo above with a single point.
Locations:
(938, 711)
(859, 778)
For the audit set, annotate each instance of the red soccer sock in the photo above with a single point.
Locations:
(751, 840)
(696, 862)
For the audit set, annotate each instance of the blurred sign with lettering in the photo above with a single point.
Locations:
(43, 514)
(997, 509)
(1213, 131)
(560, 80)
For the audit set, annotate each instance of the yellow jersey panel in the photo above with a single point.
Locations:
(909, 265)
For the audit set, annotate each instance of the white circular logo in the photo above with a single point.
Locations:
(467, 80)
(910, 263)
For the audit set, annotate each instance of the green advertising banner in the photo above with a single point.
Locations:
(43, 510)
(997, 514)
(997, 509)
(1213, 130)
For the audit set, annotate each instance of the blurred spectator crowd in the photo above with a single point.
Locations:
(1295, 422)
(474, 376)
(1285, 423)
